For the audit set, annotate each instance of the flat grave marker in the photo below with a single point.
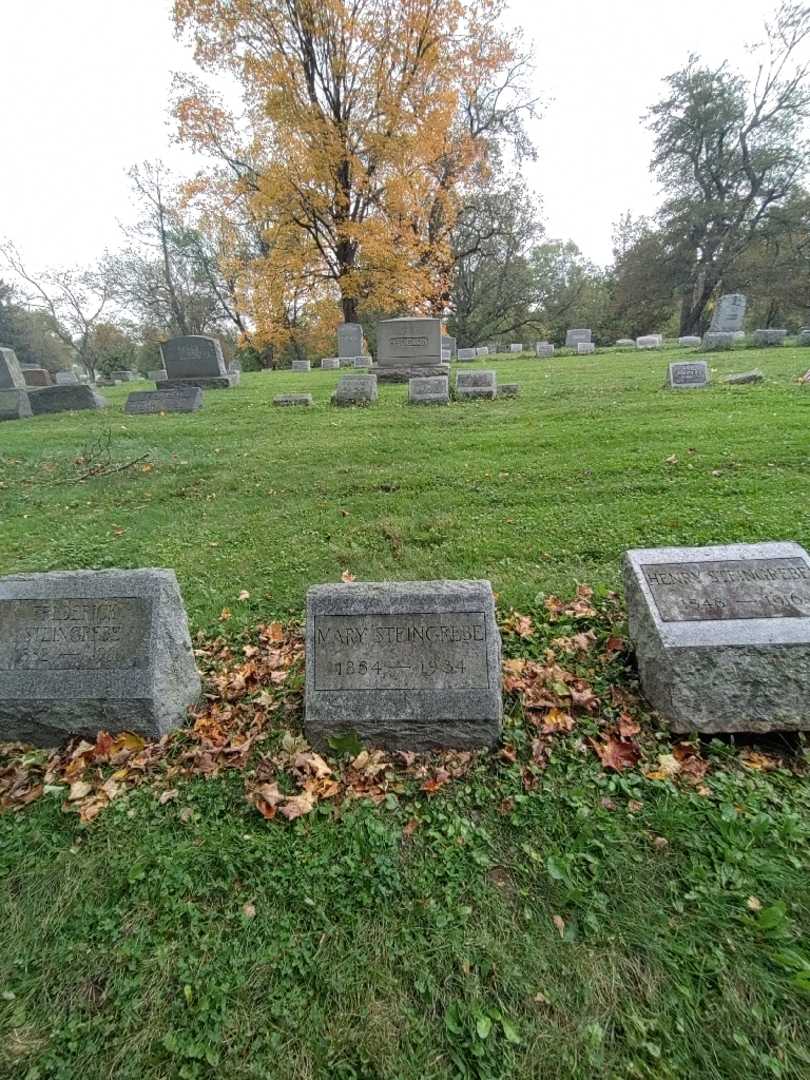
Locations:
(178, 399)
(688, 375)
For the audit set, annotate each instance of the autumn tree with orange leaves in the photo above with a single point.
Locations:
(364, 124)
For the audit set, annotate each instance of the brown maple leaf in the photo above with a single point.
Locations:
(616, 754)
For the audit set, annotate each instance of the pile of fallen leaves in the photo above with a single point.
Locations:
(575, 681)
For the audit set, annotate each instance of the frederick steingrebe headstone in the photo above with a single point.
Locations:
(350, 339)
(722, 635)
(86, 650)
(196, 360)
(729, 315)
(406, 665)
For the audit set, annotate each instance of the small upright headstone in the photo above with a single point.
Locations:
(544, 349)
(355, 390)
(53, 399)
(14, 405)
(350, 340)
(11, 374)
(403, 665)
(625, 343)
(179, 399)
(515, 348)
(65, 378)
(331, 363)
(689, 341)
(430, 390)
(293, 399)
(300, 365)
(766, 338)
(158, 375)
(449, 344)
(36, 376)
(744, 377)
(361, 361)
(466, 354)
(688, 375)
(482, 350)
(804, 337)
(649, 341)
(89, 650)
(476, 384)
(722, 635)
(585, 348)
(576, 337)
(196, 360)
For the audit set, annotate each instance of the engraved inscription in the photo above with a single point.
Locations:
(409, 342)
(74, 634)
(685, 374)
(733, 589)
(191, 350)
(401, 652)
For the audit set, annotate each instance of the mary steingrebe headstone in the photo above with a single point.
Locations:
(722, 635)
(88, 650)
(409, 665)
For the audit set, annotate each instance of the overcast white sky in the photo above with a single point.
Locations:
(86, 87)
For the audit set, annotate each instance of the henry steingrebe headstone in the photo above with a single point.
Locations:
(722, 635)
(406, 665)
(82, 651)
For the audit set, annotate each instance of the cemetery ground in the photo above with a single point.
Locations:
(595, 898)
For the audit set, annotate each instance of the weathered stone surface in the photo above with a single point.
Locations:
(722, 635)
(543, 349)
(331, 363)
(194, 356)
(803, 338)
(11, 375)
(36, 376)
(690, 341)
(466, 354)
(65, 378)
(355, 390)
(743, 377)
(86, 650)
(625, 343)
(433, 390)
(406, 665)
(409, 343)
(449, 344)
(585, 348)
(715, 339)
(14, 405)
(515, 348)
(292, 399)
(765, 338)
(158, 375)
(508, 389)
(124, 375)
(574, 337)
(405, 374)
(179, 399)
(346, 361)
(53, 399)
(300, 365)
(482, 350)
(729, 315)
(688, 375)
(649, 341)
(224, 382)
(361, 361)
(350, 340)
(476, 384)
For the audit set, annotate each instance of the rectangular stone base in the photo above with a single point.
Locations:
(224, 382)
(53, 399)
(14, 405)
(405, 374)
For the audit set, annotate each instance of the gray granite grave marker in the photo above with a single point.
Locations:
(54, 399)
(687, 375)
(355, 390)
(409, 348)
(585, 348)
(35, 376)
(86, 650)
(722, 635)
(744, 377)
(430, 390)
(14, 405)
(405, 665)
(293, 399)
(714, 340)
(766, 338)
(331, 363)
(544, 349)
(475, 384)
(574, 337)
(729, 314)
(65, 378)
(350, 340)
(300, 365)
(466, 354)
(11, 374)
(196, 360)
(178, 399)
(482, 350)
(689, 340)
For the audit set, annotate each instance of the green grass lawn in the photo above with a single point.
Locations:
(589, 925)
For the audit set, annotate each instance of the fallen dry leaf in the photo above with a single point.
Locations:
(297, 805)
(559, 923)
(79, 790)
(249, 911)
(616, 754)
(167, 796)
(346, 576)
(244, 595)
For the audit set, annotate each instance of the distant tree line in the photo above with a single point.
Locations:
(367, 177)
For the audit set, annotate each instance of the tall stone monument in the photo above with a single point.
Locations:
(11, 376)
(196, 360)
(409, 349)
(729, 315)
(350, 340)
